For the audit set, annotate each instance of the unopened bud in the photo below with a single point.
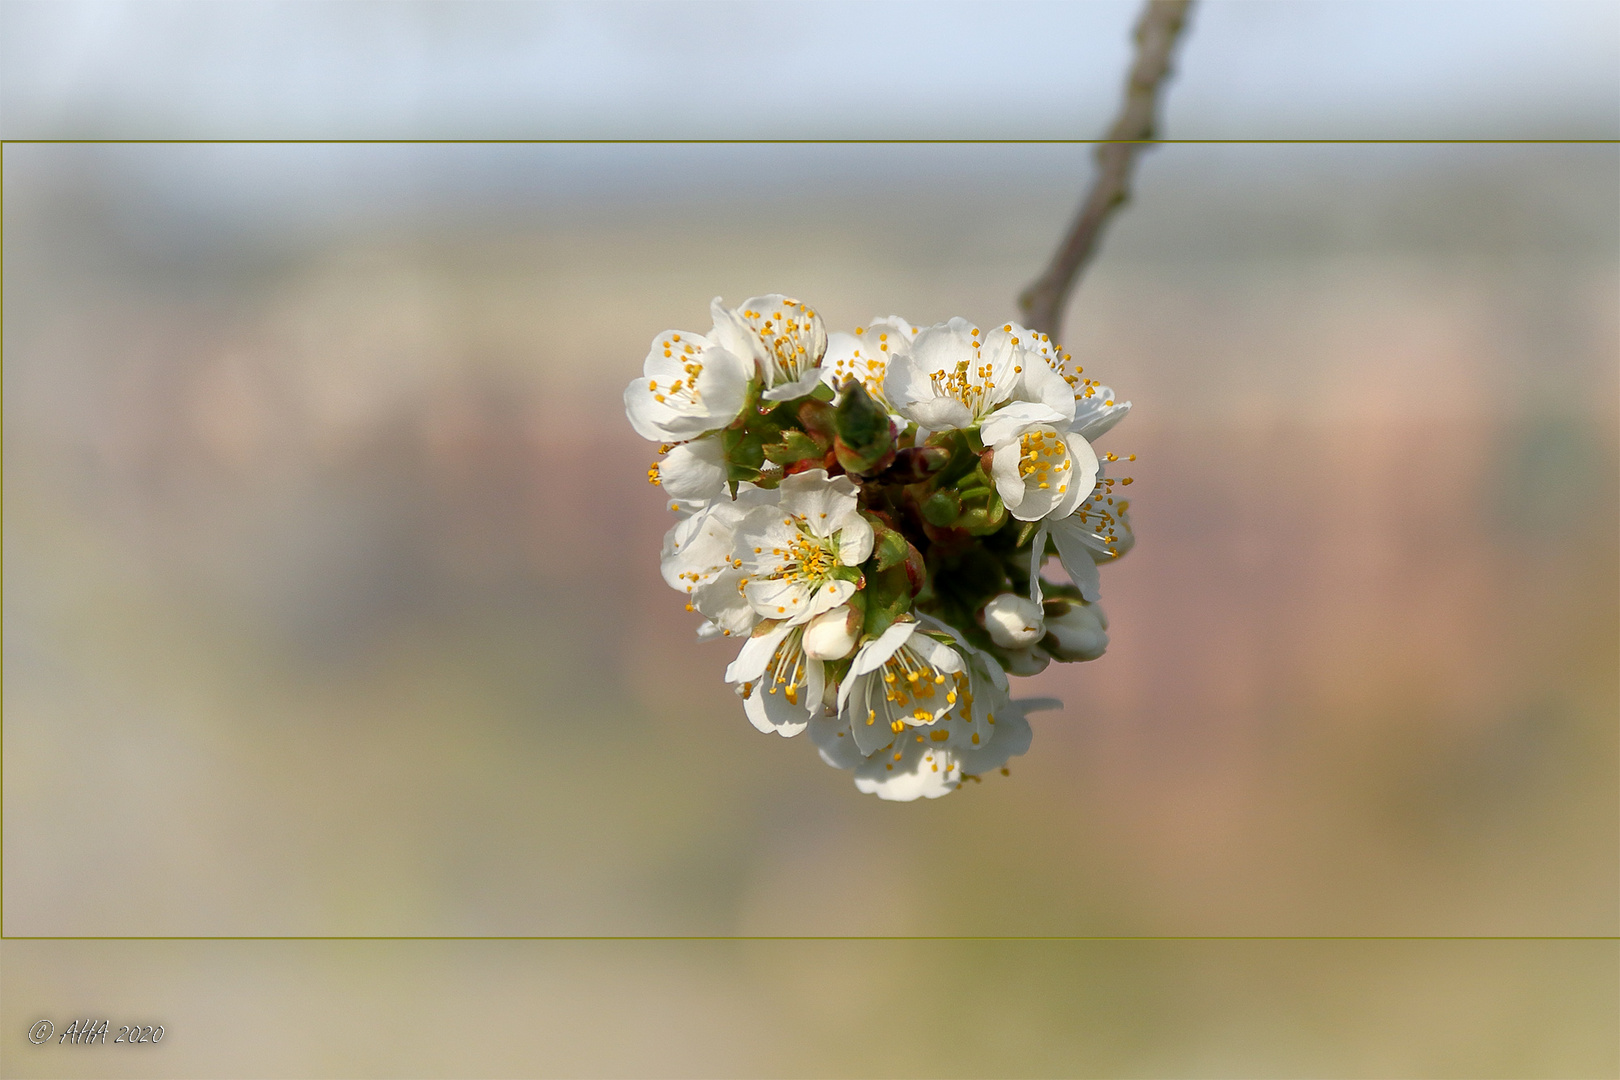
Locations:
(832, 634)
(1014, 621)
(1074, 630)
(865, 442)
(942, 507)
(1027, 661)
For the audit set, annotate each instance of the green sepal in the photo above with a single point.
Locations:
(795, 446)
(1025, 531)
(848, 573)
(819, 421)
(823, 392)
(888, 547)
(888, 596)
(745, 452)
(836, 671)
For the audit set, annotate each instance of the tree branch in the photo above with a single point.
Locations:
(1156, 32)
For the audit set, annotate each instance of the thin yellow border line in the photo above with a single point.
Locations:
(817, 142)
(785, 937)
(840, 937)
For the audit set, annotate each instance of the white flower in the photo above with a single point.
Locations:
(978, 729)
(780, 685)
(1040, 469)
(1094, 408)
(1077, 632)
(903, 678)
(978, 734)
(692, 474)
(697, 560)
(690, 384)
(784, 336)
(789, 553)
(919, 767)
(949, 379)
(1014, 621)
(865, 355)
(1038, 368)
(1098, 531)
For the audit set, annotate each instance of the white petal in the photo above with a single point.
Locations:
(776, 598)
(874, 654)
(867, 725)
(694, 471)
(1040, 383)
(770, 711)
(735, 335)
(1076, 557)
(855, 541)
(1037, 557)
(924, 771)
(1093, 416)
(831, 735)
(1012, 738)
(723, 602)
(943, 347)
(824, 503)
(829, 596)
(1010, 421)
(1004, 463)
(756, 655)
(788, 391)
(905, 383)
(938, 413)
(1082, 473)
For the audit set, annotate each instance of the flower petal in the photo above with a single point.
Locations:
(825, 504)
(855, 541)
(1010, 421)
(1096, 410)
(938, 414)
(779, 598)
(695, 471)
(1067, 535)
(796, 389)
(923, 770)
(831, 735)
(756, 654)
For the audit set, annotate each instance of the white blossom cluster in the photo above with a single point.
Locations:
(868, 514)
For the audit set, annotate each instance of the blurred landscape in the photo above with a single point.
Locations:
(332, 607)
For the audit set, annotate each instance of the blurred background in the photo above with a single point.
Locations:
(332, 604)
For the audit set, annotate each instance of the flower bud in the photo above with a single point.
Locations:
(865, 437)
(1014, 621)
(832, 634)
(1074, 630)
(1027, 661)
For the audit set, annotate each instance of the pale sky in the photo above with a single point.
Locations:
(1248, 69)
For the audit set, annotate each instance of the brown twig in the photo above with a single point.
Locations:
(1156, 33)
